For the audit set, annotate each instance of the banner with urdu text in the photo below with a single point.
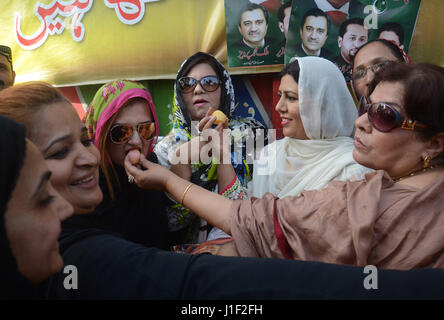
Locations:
(75, 42)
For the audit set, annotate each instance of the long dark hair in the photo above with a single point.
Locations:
(292, 69)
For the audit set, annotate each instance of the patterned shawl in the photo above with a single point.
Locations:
(205, 175)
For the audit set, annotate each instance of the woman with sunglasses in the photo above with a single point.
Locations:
(317, 114)
(31, 211)
(202, 83)
(121, 118)
(371, 58)
(391, 219)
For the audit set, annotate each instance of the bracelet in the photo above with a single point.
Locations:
(184, 193)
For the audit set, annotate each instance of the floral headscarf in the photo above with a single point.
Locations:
(203, 174)
(109, 99)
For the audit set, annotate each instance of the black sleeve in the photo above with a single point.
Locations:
(110, 267)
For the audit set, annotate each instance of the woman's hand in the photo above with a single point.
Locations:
(218, 137)
(195, 198)
(200, 148)
(154, 177)
(207, 122)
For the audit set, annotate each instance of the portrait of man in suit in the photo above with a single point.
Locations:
(314, 29)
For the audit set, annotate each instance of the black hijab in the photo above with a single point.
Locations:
(13, 285)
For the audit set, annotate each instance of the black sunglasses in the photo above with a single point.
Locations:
(121, 133)
(384, 117)
(208, 83)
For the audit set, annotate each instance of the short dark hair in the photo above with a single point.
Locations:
(253, 6)
(394, 49)
(281, 11)
(394, 27)
(197, 58)
(315, 12)
(292, 69)
(423, 88)
(346, 23)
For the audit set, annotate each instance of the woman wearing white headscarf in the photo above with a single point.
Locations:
(318, 114)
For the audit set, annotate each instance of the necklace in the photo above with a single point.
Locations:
(414, 173)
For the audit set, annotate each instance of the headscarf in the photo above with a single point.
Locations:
(109, 99)
(328, 114)
(137, 214)
(206, 174)
(12, 155)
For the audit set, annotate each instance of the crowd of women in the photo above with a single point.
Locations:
(346, 187)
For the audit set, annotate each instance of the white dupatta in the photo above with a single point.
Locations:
(288, 166)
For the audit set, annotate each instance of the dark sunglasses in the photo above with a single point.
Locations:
(362, 72)
(384, 117)
(208, 83)
(121, 133)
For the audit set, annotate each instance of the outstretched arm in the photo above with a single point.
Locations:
(208, 205)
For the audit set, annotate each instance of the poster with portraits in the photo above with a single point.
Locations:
(256, 32)
(336, 29)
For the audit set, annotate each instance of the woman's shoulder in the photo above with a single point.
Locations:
(369, 179)
(354, 172)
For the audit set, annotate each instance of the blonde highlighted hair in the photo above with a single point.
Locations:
(103, 141)
(24, 101)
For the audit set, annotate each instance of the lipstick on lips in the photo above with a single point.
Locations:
(359, 144)
(200, 102)
(285, 121)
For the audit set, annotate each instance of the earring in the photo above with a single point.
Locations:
(426, 161)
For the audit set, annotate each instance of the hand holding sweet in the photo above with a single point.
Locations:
(219, 141)
(154, 177)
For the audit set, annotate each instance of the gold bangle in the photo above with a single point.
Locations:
(184, 193)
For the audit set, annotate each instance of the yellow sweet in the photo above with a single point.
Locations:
(220, 116)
